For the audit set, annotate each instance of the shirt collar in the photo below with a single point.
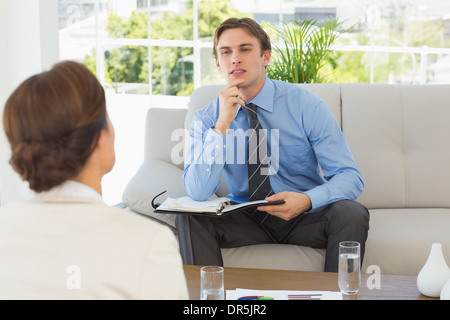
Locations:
(69, 191)
(264, 99)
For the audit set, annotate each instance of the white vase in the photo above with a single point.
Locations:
(445, 292)
(434, 274)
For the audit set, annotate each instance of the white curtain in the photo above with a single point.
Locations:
(29, 38)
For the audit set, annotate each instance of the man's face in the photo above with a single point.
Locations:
(239, 57)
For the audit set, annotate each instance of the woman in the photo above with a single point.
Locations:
(66, 243)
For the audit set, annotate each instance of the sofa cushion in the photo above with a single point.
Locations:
(427, 132)
(164, 135)
(396, 134)
(372, 125)
(275, 256)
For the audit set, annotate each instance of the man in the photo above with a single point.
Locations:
(300, 135)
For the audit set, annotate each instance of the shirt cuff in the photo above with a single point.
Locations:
(317, 197)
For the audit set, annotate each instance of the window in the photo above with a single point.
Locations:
(402, 41)
(159, 61)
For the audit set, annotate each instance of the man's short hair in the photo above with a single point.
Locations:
(245, 23)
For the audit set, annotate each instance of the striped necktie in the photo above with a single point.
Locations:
(257, 161)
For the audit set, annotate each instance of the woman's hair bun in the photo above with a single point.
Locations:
(53, 121)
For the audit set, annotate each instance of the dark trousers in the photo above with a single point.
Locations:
(201, 237)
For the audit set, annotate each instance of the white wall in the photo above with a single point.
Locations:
(4, 75)
(29, 44)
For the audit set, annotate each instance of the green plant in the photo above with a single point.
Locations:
(305, 48)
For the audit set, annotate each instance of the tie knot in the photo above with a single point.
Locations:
(250, 110)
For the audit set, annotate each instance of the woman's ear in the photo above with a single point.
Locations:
(105, 147)
(101, 139)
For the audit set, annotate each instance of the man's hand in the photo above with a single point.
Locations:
(295, 204)
(229, 98)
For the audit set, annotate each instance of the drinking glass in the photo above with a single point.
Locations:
(349, 267)
(211, 283)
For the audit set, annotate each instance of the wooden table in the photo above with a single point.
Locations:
(392, 287)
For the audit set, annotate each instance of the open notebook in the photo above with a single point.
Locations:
(212, 206)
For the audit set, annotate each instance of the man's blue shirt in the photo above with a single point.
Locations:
(303, 137)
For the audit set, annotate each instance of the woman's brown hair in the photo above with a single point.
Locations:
(53, 121)
(245, 23)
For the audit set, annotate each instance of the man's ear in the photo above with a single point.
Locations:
(218, 65)
(267, 55)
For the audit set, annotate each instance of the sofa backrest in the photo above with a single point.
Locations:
(399, 136)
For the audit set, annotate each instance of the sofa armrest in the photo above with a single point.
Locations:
(153, 177)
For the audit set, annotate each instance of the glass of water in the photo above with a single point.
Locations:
(349, 267)
(211, 283)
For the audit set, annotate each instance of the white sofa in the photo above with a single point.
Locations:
(400, 138)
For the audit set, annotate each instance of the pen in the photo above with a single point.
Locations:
(255, 298)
